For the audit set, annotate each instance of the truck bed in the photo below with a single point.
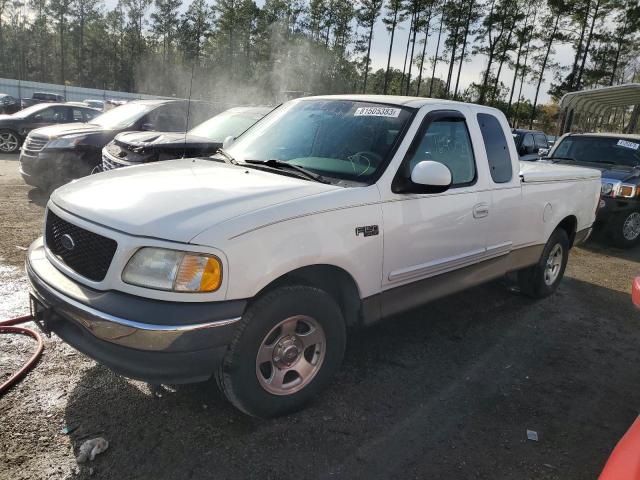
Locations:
(541, 171)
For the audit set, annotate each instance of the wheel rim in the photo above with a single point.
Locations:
(631, 226)
(554, 265)
(8, 142)
(290, 355)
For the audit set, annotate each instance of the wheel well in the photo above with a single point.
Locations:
(336, 281)
(569, 225)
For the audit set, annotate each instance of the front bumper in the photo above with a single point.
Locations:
(49, 168)
(613, 206)
(150, 340)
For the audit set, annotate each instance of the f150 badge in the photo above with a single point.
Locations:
(367, 230)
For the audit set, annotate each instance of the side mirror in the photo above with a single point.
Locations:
(227, 142)
(434, 175)
(148, 127)
(543, 152)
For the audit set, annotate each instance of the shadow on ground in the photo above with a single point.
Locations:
(446, 391)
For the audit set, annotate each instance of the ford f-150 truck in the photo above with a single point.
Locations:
(330, 213)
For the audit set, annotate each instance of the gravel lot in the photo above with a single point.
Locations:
(447, 391)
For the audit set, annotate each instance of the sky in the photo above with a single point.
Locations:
(471, 70)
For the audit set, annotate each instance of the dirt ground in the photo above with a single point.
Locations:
(447, 391)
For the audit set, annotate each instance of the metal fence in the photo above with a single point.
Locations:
(24, 89)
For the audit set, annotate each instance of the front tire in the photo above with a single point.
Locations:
(542, 279)
(625, 229)
(9, 141)
(289, 344)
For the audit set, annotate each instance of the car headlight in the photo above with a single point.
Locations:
(627, 191)
(173, 270)
(606, 188)
(65, 142)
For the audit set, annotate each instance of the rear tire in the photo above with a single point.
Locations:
(624, 229)
(542, 279)
(288, 345)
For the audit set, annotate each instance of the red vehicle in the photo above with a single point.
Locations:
(624, 461)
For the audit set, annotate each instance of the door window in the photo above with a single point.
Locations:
(445, 140)
(541, 141)
(527, 144)
(495, 144)
(168, 118)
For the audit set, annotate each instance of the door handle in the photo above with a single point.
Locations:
(480, 210)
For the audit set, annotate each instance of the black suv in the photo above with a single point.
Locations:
(14, 128)
(529, 143)
(55, 155)
(617, 156)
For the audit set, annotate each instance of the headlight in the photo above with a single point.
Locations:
(173, 270)
(606, 188)
(627, 191)
(65, 142)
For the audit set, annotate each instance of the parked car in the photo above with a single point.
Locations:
(331, 212)
(14, 128)
(99, 104)
(617, 156)
(529, 143)
(58, 154)
(8, 104)
(42, 97)
(135, 148)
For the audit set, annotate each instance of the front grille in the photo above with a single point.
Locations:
(109, 164)
(34, 144)
(85, 252)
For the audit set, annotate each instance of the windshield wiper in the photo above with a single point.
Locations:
(227, 156)
(558, 158)
(278, 164)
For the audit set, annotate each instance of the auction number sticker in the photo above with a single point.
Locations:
(628, 144)
(377, 112)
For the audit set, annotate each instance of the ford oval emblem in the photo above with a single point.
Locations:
(67, 242)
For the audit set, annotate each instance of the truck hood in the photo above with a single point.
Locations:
(55, 131)
(177, 199)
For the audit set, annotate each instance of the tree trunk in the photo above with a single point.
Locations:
(413, 46)
(542, 69)
(424, 51)
(393, 31)
(464, 46)
(576, 59)
(503, 57)
(406, 54)
(517, 67)
(586, 47)
(435, 58)
(366, 67)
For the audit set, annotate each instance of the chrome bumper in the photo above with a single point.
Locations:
(72, 302)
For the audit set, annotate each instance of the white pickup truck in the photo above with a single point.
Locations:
(329, 213)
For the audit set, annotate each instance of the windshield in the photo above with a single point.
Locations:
(229, 123)
(340, 139)
(32, 109)
(611, 150)
(122, 116)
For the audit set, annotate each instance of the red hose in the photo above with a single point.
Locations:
(6, 326)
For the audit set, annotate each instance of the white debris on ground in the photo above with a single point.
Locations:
(90, 448)
(13, 292)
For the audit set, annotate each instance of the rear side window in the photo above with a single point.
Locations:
(541, 141)
(495, 144)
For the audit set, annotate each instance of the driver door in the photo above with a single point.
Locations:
(429, 235)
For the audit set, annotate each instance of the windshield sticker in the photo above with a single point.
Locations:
(627, 144)
(377, 112)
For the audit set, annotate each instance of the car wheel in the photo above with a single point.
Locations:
(543, 278)
(9, 141)
(288, 345)
(625, 229)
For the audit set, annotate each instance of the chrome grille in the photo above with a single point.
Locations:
(34, 144)
(108, 163)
